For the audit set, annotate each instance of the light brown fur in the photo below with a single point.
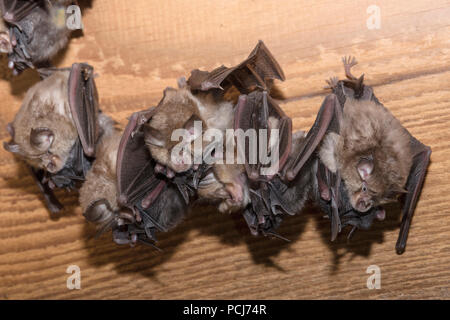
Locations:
(177, 108)
(46, 106)
(100, 181)
(369, 131)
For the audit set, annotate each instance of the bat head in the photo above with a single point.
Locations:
(374, 155)
(174, 121)
(43, 132)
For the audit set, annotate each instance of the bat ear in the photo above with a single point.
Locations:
(153, 137)
(190, 127)
(365, 168)
(10, 130)
(11, 147)
(41, 138)
(5, 43)
(182, 83)
(168, 93)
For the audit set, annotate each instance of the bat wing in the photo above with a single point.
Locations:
(15, 10)
(83, 101)
(137, 181)
(255, 114)
(50, 200)
(330, 188)
(414, 186)
(161, 204)
(256, 71)
(327, 120)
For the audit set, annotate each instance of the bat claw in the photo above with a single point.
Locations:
(331, 83)
(349, 62)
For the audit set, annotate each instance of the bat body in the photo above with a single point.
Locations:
(180, 109)
(56, 129)
(371, 157)
(38, 31)
(372, 152)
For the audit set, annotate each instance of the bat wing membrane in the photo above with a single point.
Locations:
(83, 101)
(256, 71)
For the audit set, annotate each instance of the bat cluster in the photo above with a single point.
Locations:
(136, 181)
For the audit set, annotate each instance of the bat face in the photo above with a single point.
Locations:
(43, 132)
(177, 110)
(372, 153)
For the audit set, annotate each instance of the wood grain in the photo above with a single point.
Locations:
(138, 49)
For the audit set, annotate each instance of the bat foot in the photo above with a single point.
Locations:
(349, 62)
(331, 83)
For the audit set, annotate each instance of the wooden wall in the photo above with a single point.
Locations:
(138, 48)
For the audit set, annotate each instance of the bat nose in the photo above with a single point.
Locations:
(364, 205)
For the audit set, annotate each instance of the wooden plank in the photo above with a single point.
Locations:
(138, 50)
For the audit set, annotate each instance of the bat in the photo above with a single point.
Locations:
(372, 156)
(37, 32)
(148, 201)
(202, 98)
(356, 158)
(56, 129)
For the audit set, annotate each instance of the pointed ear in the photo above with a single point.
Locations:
(5, 43)
(190, 127)
(153, 137)
(365, 168)
(41, 138)
(11, 147)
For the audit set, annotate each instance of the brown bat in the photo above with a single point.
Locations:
(148, 201)
(357, 157)
(56, 129)
(378, 160)
(37, 32)
(202, 99)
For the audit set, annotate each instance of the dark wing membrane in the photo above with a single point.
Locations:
(83, 101)
(137, 182)
(50, 200)
(414, 186)
(256, 71)
(326, 120)
(15, 10)
(252, 114)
